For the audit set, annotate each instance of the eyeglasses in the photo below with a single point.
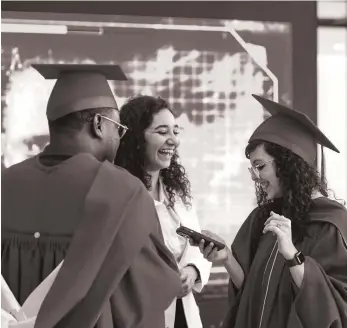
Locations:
(122, 129)
(254, 170)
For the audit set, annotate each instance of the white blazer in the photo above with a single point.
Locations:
(191, 255)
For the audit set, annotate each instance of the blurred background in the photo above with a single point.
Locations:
(206, 59)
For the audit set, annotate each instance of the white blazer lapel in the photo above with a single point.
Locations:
(192, 254)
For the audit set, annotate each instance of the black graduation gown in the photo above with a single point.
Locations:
(269, 297)
(102, 222)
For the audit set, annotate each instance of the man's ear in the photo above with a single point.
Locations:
(96, 126)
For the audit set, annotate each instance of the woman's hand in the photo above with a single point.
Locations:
(210, 252)
(188, 278)
(282, 228)
(225, 255)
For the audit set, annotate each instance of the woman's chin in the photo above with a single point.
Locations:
(268, 197)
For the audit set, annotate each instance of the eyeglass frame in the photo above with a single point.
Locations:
(125, 128)
(253, 170)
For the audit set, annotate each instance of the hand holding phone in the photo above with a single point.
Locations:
(197, 237)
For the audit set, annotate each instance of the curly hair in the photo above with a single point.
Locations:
(298, 180)
(137, 114)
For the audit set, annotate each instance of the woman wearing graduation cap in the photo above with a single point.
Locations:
(288, 262)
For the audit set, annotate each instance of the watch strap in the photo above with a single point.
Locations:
(298, 259)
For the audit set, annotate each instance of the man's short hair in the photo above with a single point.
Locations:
(74, 122)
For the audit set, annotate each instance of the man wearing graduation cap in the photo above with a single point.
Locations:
(71, 204)
(288, 261)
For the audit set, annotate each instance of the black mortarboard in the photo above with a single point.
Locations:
(291, 129)
(79, 87)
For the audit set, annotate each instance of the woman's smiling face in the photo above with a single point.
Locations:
(161, 139)
(264, 172)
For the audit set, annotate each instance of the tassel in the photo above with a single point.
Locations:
(322, 169)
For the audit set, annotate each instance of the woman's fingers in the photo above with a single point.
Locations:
(212, 256)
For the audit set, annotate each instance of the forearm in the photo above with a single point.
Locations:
(234, 270)
(297, 273)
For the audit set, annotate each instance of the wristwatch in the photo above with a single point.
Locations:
(298, 259)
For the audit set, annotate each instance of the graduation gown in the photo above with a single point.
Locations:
(269, 297)
(102, 222)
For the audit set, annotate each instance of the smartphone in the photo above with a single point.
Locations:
(196, 237)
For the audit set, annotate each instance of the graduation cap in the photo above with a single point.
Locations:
(79, 87)
(291, 129)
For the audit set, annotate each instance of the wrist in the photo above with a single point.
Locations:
(290, 254)
(298, 259)
(229, 256)
(197, 272)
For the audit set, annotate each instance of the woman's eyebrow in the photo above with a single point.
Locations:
(166, 126)
(161, 126)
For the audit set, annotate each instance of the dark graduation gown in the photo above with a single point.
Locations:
(103, 223)
(269, 297)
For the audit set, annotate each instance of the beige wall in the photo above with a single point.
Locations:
(332, 95)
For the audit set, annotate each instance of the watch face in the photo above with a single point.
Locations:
(300, 258)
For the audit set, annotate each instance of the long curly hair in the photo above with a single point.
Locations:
(297, 179)
(137, 114)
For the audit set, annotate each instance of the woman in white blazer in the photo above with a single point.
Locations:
(149, 151)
